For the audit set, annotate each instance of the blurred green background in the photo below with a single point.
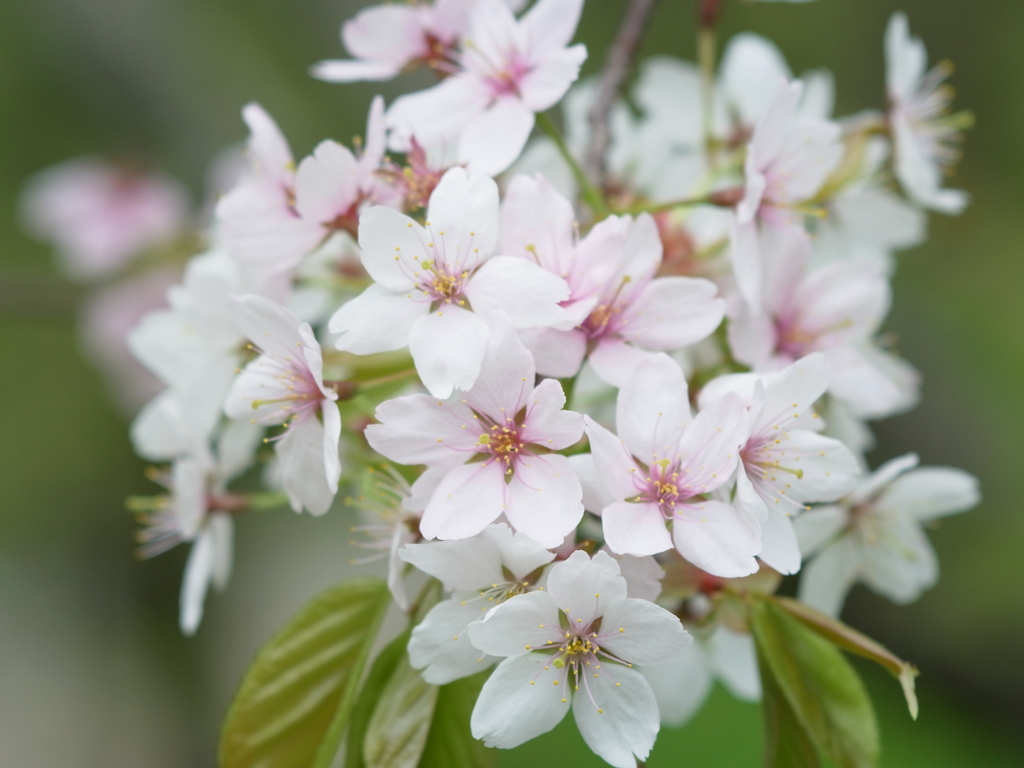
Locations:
(94, 671)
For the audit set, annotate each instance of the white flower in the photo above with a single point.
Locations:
(489, 450)
(508, 70)
(875, 535)
(785, 463)
(590, 662)
(285, 386)
(436, 285)
(925, 136)
(198, 510)
(788, 159)
(277, 214)
(660, 469)
(100, 216)
(480, 572)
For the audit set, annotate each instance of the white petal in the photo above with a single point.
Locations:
(643, 576)
(780, 548)
(528, 294)
(734, 658)
(622, 719)
(467, 500)
(715, 537)
(518, 702)
(353, 71)
(653, 409)
(635, 528)
(327, 183)
(673, 312)
(303, 472)
(680, 686)
(930, 492)
(902, 564)
(448, 348)
(521, 624)
(494, 139)
(419, 429)
(472, 563)
(545, 423)
(595, 495)
(520, 554)
(615, 361)
(377, 320)
(710, 447)
(546, 84)
(463, 216)
(506, 374)
(550, 24)
(195, 583)
(640, 632)
(614, 463)
(545, 500)
(825, 581)
(221, 531)
(819, 526)
(393, 247)
(584, 587)
(440, 644)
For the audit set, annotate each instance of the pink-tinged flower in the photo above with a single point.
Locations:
(436, 285)
(926, 137)
(480, 572)
(589, 662)
(508, 70)
(618, 311)
(657, 474)
(100, 216)
(489, 450)
(277, 214)
(835, 309)
(875, 535)
(788, 159)
(198, 510)
(387, 39)
(285, 386)
(784, 464)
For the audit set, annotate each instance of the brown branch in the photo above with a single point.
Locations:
(616, 68)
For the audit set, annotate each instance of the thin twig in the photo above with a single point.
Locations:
(616, 68)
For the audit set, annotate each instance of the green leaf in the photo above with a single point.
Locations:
(825, 694)
(450, 743)
(398, 728)
(293, 705)
(786, 743)
(849, 639)
(383, 666)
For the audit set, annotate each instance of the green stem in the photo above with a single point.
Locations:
(591, 194)
(659, 207)
(266, 500)
(387, 379)
(706, 58)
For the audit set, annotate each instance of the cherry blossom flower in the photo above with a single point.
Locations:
(198, 510)
(277, 214)
(925, 135)
(489, 451)
(437, 284)
(835, 309)
(480, 572)
(284, 385)
(101, 216)
(875, 535)
(589, 662)
(508, 70)
(784, 464)
(660, 469)
(618, 311)
(788, 159)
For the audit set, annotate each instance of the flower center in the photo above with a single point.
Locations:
(503, 443)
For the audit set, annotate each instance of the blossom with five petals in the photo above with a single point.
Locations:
(875, 535)
(925, 137)
(489, 450)
(480, 572)
(784, 463)
(437, 284)
(618, 311)
(284, 385)
(661, 467)
(589, 662)
(508, 70)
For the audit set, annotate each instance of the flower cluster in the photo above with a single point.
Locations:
(598, 421)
